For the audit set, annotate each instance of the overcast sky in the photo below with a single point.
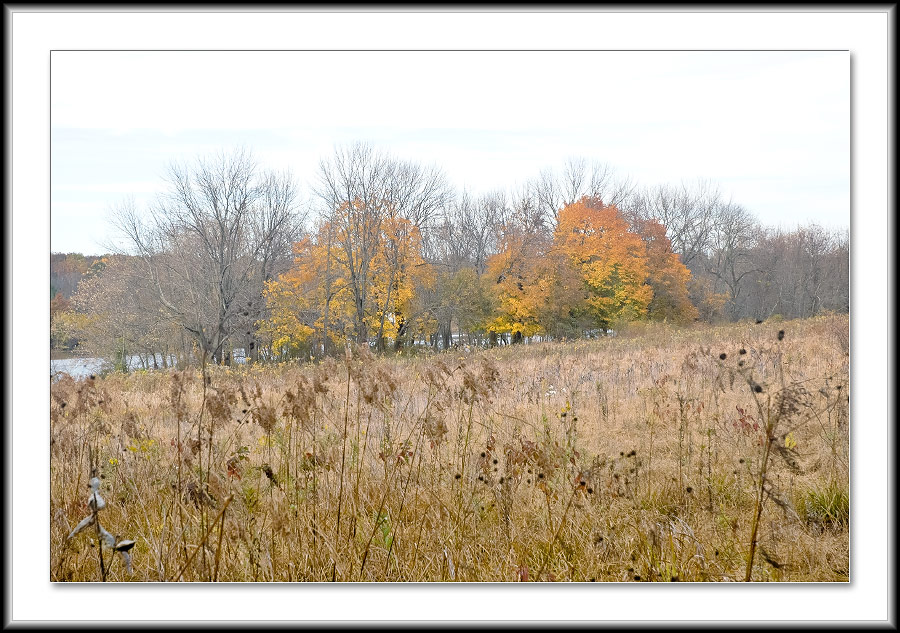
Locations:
(772, 129)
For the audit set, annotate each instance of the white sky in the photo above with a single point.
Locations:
(771, 128)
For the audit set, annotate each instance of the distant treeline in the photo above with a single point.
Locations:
(386, 252)
(66, 270)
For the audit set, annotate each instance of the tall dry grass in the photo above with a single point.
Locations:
(707, 454)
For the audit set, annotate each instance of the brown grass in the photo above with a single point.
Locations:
(640, 457)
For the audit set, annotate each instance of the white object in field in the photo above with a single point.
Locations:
(96, 502)
(86, 521)
(108, 538)
(126, 556)
(124, 547)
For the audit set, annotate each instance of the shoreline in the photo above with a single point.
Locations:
(56, 354)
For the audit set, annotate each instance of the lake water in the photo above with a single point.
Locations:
(84, 367)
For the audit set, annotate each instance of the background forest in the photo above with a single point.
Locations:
(235, 262)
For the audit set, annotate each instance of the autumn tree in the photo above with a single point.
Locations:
(318, 294)
(296, 323)
(596, 271)
(519, 278)
(612, 261)
(667, 276)
(520, 285)
(399, 273)
(364, 194)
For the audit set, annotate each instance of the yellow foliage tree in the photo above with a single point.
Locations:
(340, 283)
(522, 284)
(399, 271)
(298, 298)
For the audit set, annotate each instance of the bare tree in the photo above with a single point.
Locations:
(210, 243)
(689, 215)
(415, 192)
(459, 249)
(118, 324)
(800, 273)
(467, 233)
(577, 179)
(733, 241)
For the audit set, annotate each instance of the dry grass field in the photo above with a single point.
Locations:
(662, 454)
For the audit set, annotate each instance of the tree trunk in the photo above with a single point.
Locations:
(327, 292)
(445, 334)
(384, 311)
(402, 327)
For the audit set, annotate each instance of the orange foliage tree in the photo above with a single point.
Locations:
(595, 240)
(668, 277)
(592, 273)
(595, 273)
